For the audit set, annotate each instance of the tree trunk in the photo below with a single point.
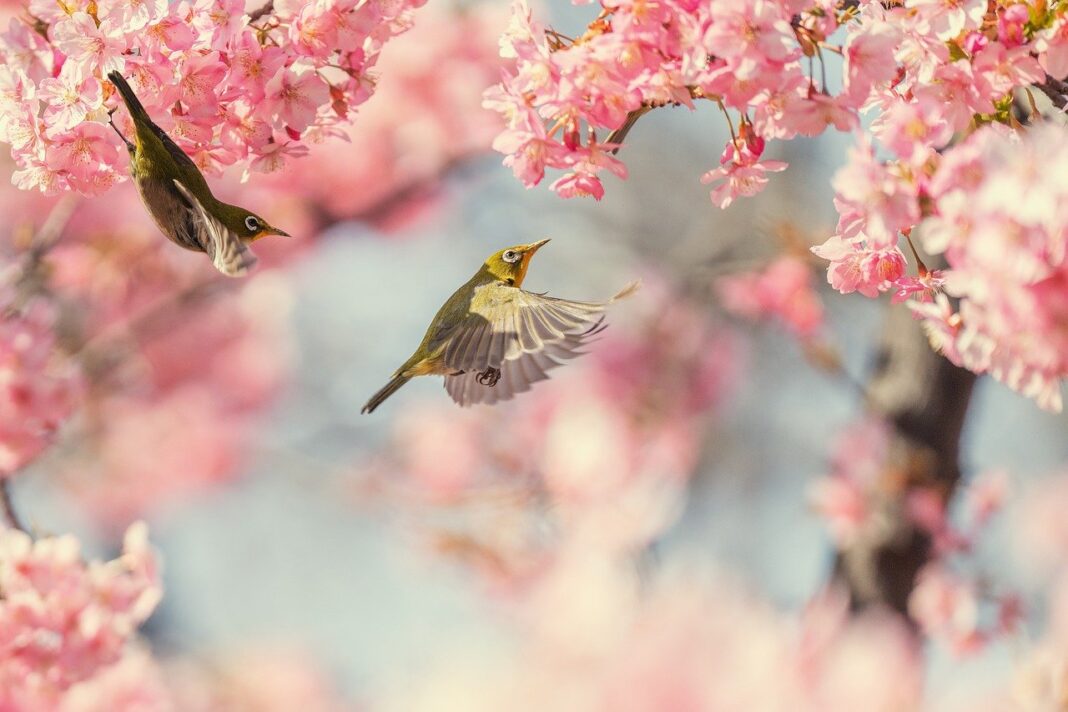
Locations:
(924, 399)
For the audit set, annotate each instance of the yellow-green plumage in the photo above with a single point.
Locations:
(178, 198)
(491, 339)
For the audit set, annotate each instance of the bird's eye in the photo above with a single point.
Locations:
(252, 223)
(510, 256)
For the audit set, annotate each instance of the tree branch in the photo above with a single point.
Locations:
(1056, 90)
(267, 8)
(7, 506)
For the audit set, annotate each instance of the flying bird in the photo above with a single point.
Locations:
(492, 339)
(178, 198)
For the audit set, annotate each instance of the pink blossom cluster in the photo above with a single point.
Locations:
(950, 601)
(845, 497)
(954, 601)
(927, 68)
(596, 636)
(63, 620)
(782, 290)
(425, 117)
(636, 56)
(230, 83)
(928, 71)
(1001, 222)
(267, 677)
(38, 387)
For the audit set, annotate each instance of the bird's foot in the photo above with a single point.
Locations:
(111, 122)
(489, 377)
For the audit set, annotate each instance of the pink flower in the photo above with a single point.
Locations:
(251, 67)
(295, 97)
(884, 200)
(782, 290)
(927, 285)
(883, 267)
(914, 130)
(844, 496)
(583, 180)
(948, 18)
(134, 15)
(1000, 221)
(742, 173)
(529, 151)
(947, 607)
(200, 74)
(1052, 44)
(314, 30)
(869, 59)
(61, 619)
(811, 115)
(855, 267)
(1002, 69)
(986, 495)
(1011, 22)
(218, 21)
(273, 155)
(86, 156)
(578, 184)
(90, 49)
(956, 92)
(38, 388)
(68, 100)
(172, 32)
(750, 34)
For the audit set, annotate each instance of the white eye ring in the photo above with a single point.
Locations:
(252, 223)
(511, 256)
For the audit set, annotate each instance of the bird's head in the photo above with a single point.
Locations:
(246, 225)
(510, 265)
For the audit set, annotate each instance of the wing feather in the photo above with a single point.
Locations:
(229, 255)
(523, 334)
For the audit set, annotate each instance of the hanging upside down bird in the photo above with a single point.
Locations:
(492, 339)
(178, 198)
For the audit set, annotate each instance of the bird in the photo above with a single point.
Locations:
(178, 198)
(492, 339)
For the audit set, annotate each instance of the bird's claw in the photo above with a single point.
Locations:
(489, 377)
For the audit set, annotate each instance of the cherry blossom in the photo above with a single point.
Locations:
(297, 68)
(63, 619)
(38, 388)
(782, 290)
(1000, 227)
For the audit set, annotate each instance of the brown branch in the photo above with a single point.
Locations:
(7, 506)
(1055, 89)
(924, 398)
(619, 134)
(267, 8)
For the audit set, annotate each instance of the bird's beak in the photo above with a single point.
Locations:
(275, 231)
(535, 246)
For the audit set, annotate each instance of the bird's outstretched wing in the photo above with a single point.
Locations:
(229, 255)
(521, 334)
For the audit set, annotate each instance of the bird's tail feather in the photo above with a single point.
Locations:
(626, 291)
(387, 390)
(133, 104)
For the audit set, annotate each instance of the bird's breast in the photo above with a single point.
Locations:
(169, 209)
